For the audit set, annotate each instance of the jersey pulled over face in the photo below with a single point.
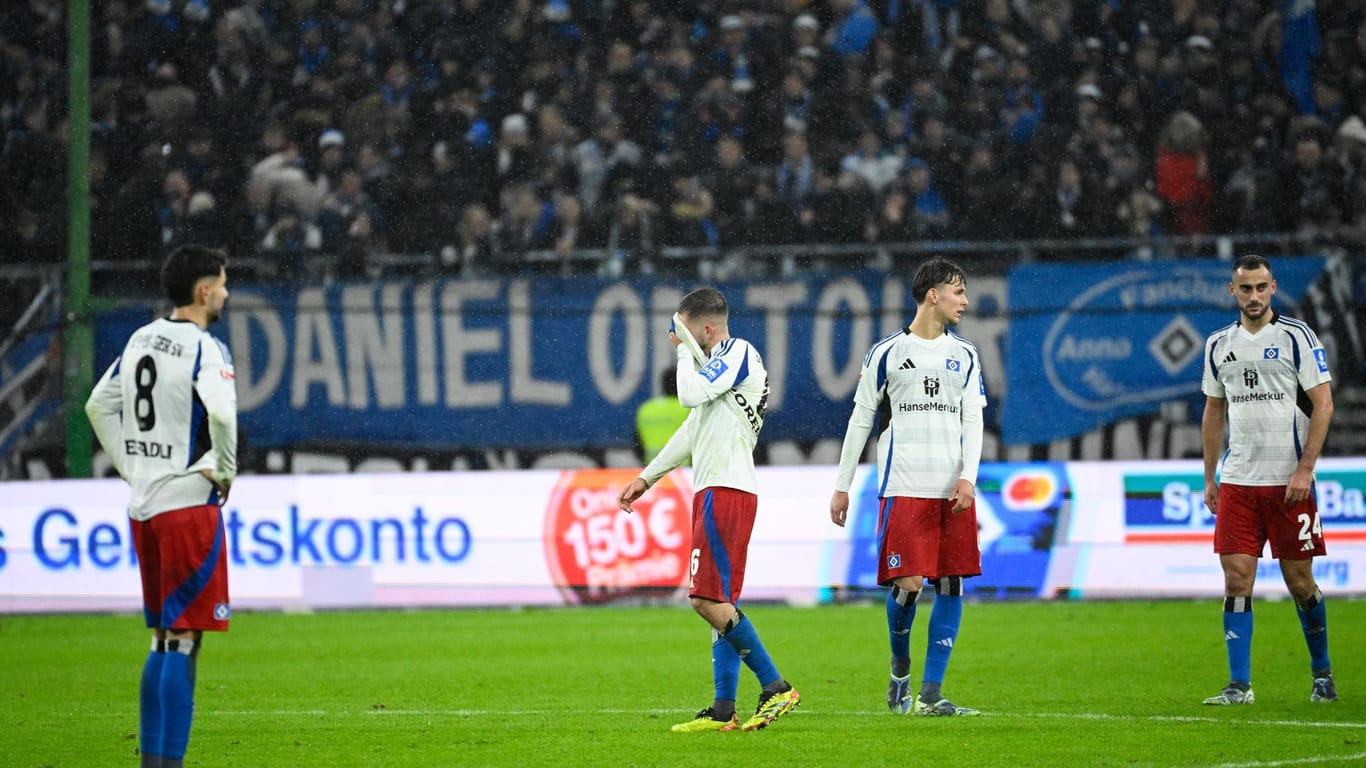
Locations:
(1264, 376)
(171, 376)
(919, 388)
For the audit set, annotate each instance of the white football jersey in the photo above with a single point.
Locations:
(919, 388)
(166, 409)
(1264, 377)
(727, 397)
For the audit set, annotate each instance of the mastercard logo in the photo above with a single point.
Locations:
(1029, 490)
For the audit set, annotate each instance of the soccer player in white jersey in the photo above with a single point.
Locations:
(722, 381)
(166, 413)
(1266, 380)
(923, 385)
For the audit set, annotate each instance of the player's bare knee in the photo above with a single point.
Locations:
(1302, 586)
(723, 617)
(730, 623)
(910, 584)
(716, 613)
(1237, 585)
(1306, 596)
(1240, 574)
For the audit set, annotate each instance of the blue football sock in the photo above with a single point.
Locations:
(149, 706)
(725, 673)
(745, 640)
(1314, 620)
(900, 617)
(945, 618)
(1238, 638)
(177, 698)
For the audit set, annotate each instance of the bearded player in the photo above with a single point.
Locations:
(1267, 383)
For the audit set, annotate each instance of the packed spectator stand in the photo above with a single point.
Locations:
(468, 134)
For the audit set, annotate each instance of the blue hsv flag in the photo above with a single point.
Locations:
(1299, 49)
(1091, 344)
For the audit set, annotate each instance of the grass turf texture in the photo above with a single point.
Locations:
(1060, 684)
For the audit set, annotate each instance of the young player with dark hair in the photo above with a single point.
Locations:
(166, 413)
(924, 383)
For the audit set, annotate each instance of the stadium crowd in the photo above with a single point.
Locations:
(478, 130)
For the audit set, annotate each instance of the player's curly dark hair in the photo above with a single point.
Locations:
(185, 267)
(704, 302)
(934, 272)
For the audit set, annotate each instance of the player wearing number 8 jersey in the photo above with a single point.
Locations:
(723, 382)
(1266, 379)
(166, 413)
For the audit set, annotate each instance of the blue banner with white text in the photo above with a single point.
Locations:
(540, 363)
(1090, 344)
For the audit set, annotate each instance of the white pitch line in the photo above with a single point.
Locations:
(1359, 756)
(1295, 761)
(846, 713)
(1181, 719)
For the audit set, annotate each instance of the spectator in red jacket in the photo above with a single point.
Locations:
(1183, 178)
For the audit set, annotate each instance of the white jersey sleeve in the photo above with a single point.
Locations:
(872, 383)
(1312, 366)
(868, 395)
(104, 408)
(676, 450)
(1210, 384)
(216, 386)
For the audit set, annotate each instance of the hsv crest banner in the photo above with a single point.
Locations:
(1090, 344)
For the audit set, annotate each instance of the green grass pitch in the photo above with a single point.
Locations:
(1060, 684)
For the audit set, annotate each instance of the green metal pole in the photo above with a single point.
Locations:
(79, 335)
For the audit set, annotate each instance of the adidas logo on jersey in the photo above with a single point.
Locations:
(906, 364)
(1230, 358)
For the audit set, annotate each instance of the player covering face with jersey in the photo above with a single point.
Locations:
(166, 413)
(722, 380)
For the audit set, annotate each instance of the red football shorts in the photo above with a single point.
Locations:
(183, 558)
(924, 537)
(722, 520)
(1251, 515)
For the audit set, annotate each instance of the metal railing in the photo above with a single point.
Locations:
(28, 386)
(116, 278)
